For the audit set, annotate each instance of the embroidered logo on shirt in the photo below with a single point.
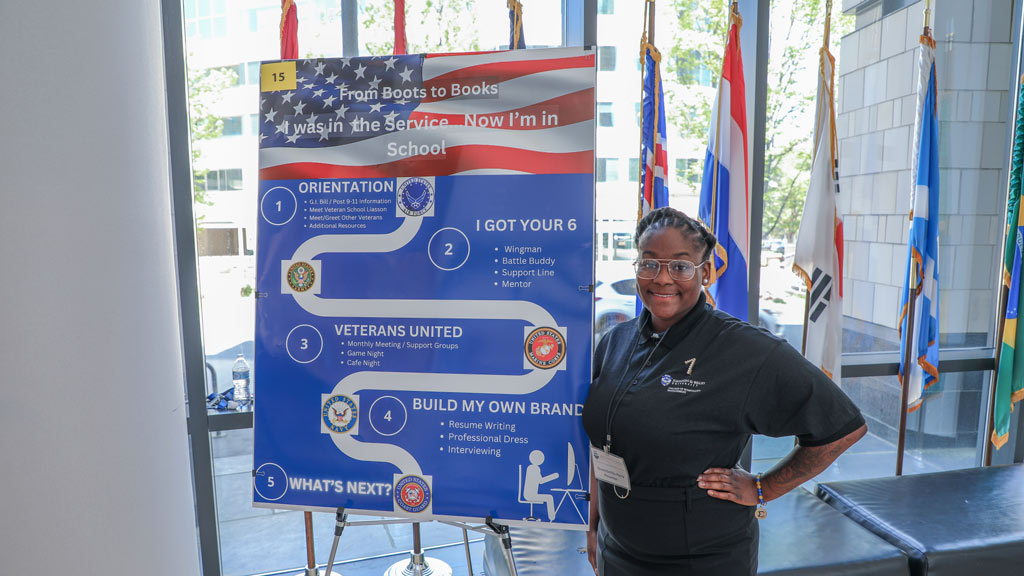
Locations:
(682, 385)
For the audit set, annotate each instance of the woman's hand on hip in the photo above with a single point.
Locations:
(733, 484)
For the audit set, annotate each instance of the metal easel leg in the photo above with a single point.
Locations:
(339, 527)
(506, 543)
(469, 560)
(418, 565)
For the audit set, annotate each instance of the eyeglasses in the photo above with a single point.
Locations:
(649, 268)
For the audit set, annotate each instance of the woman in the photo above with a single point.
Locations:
(677, 393)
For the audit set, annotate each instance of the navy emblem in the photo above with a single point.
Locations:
(415, 196)
(666, 380)
(412, 494)
(339, 413)
(300, 276)
(545, 348)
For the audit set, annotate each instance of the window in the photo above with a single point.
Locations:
(607, 169)
(634, 169)
(636, 109)
(217, 241)
(606, 6)
(254, 124)
(604, 114)
(205, 18)
(687, 170)
(226, 179)
(252, 73)
(606, 58)
(690, 69)
(232, 126)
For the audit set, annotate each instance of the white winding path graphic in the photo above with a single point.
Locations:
(352, 384)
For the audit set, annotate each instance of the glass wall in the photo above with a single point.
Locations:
(876, 57)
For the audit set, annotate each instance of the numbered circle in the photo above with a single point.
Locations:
(448, 249)
(304, 343)
(278, 206)
(387, 415)
(270, 481)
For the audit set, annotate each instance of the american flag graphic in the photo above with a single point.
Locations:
(511, 112)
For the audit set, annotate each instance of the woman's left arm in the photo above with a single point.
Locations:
(799, 466)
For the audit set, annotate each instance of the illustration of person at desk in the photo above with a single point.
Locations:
(533, 480)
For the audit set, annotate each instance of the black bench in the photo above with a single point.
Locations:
(803, 536)
(962, 522)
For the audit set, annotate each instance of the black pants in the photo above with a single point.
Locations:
(677, 532)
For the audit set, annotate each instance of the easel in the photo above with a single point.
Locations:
(418, 564)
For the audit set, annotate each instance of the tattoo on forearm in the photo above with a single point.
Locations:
(802, 464)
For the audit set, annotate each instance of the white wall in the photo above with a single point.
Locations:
(96, 476)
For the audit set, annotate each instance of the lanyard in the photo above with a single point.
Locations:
(613, 404)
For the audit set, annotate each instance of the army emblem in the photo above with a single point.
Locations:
(301, 276)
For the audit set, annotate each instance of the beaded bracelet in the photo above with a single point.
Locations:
(761, 512)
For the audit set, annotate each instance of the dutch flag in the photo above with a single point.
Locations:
(724, 200)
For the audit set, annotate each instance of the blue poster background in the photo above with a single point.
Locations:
(424, 253)
(474, 448)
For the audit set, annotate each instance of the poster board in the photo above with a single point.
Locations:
(424, 262)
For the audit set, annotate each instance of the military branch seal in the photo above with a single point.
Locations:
(339, 414)
(412, 494)
(415, 196)
(301, 276)
(545, 348)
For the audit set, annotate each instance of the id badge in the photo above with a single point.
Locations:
(609, 468)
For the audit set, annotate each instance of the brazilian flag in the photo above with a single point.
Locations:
(1010, 374)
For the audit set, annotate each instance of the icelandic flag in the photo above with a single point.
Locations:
(653, 191)
(819, 244)
(516, 38)
(654, 164)
(923, 244)
(724, 200)
(1010, 373)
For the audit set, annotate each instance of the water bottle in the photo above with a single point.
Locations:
(240, 378)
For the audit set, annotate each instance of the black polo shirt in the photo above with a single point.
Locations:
(689, 399)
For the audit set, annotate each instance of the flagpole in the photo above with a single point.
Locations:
(807, 291)
(911, 301)
(650, 21)
(645, 39)
(1004, 297)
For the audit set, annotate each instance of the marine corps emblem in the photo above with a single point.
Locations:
(339, 413)
(412, 494)
(415, 196)
(545, 348)
(300, 276)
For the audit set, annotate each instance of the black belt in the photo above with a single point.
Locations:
(685, 493)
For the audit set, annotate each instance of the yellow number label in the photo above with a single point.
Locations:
(277, 76)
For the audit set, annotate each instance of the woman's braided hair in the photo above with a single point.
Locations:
(667, 217)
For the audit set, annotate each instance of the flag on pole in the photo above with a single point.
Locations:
(724, 200)
(400, 47)
(922, 276)
(654, 167)
(1010, 374)
(819, 243)
(516, 38)
(289, 30)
